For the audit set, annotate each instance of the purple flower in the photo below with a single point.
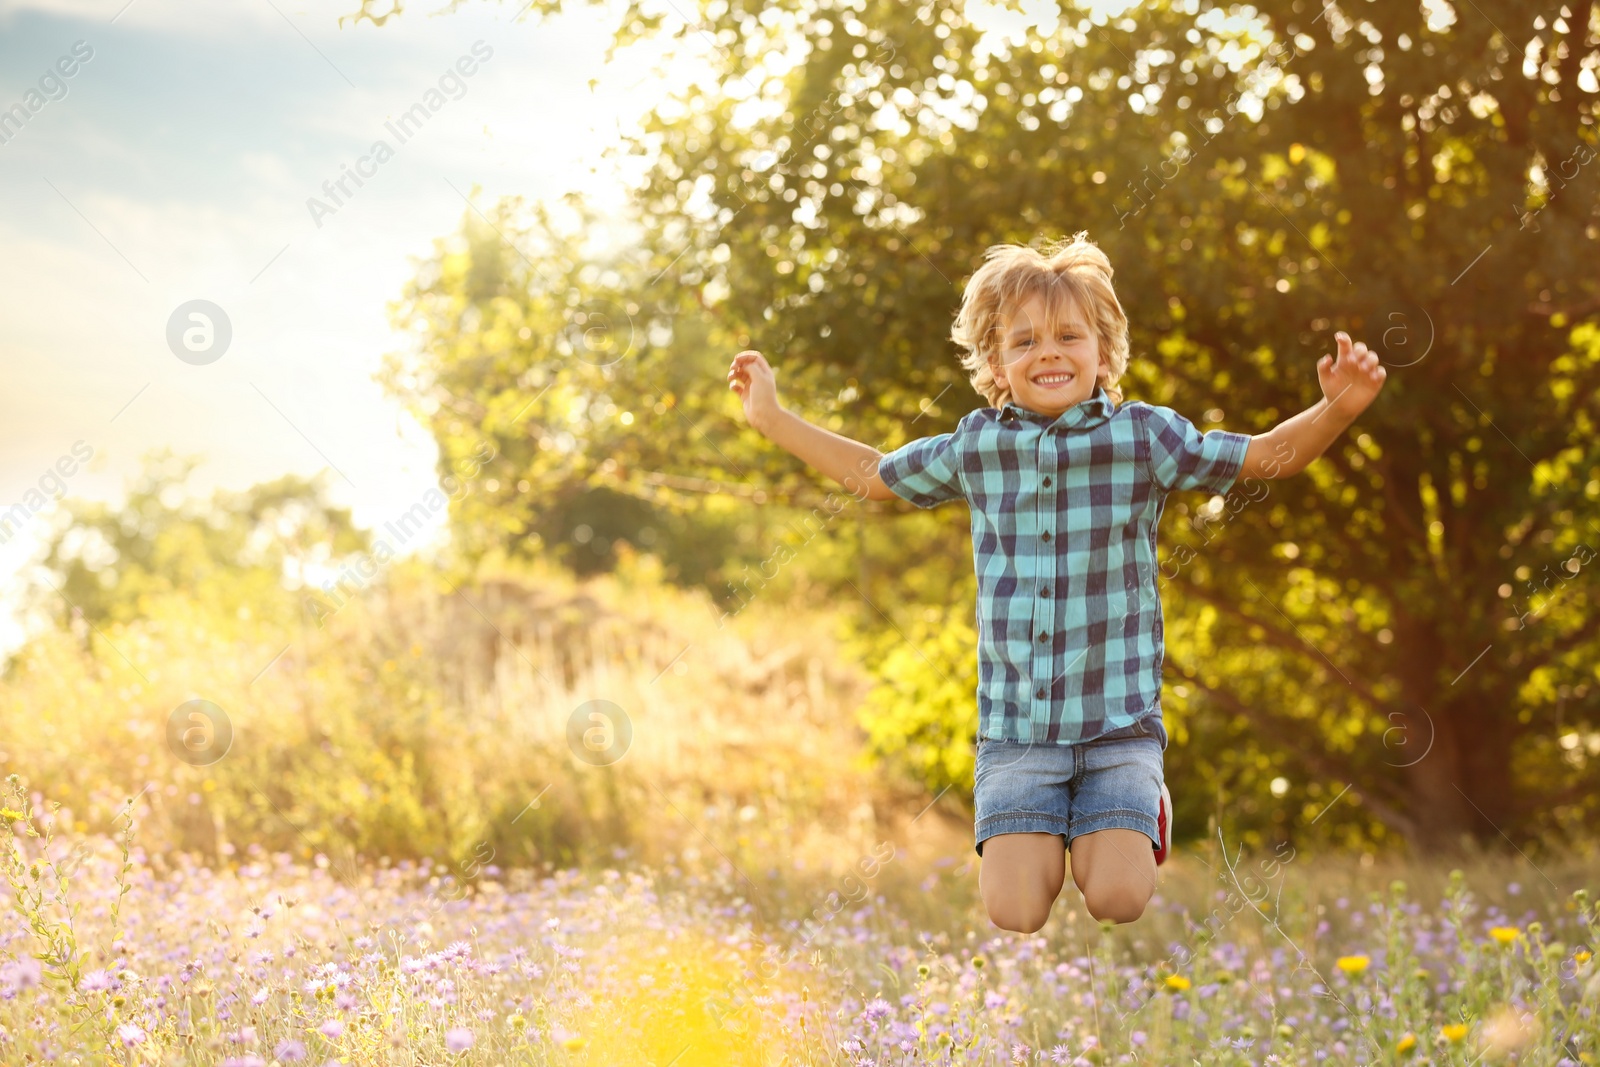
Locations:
(290, 1051)
(23, 974)
(97, 981)
(331, 1029)
(130, 1035)
(244, 1061)
(458, 1039)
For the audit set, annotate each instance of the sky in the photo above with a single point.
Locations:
(177, 159)
(175, 164)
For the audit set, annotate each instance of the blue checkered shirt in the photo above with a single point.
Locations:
(1064, 516)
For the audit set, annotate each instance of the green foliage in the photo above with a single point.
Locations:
(921, 717)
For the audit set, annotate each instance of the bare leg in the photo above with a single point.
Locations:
(1020, 877)
(1116, 870)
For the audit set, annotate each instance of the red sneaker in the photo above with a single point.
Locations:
(1164, 825)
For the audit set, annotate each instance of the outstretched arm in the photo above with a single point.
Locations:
(1350, 381)
(850, 463)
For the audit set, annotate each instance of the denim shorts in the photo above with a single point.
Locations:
(1111, 782)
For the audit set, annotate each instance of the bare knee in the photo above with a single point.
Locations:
(1019, 916)
(1021, 906)
(1116, 902)
(1020, 879)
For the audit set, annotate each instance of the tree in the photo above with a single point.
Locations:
(1413, 617)
(233, 553)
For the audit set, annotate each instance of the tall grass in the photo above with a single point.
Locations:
(427, 719)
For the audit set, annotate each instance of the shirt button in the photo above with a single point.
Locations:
(1047, 535)
(1040, 694)
(1045, 591)
(1046, 479)
(1043, 637)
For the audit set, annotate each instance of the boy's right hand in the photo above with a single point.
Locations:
(752, 378)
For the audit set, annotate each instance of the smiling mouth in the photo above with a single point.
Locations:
(1054, 380)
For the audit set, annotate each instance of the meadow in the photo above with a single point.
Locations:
(401, 860)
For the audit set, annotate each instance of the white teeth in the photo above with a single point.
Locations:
(1050, 379)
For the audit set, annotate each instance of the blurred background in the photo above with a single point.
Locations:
(370, 487)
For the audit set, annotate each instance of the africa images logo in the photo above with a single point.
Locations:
(338, 191)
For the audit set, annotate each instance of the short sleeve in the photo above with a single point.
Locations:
(1181, 457)
(926, 471)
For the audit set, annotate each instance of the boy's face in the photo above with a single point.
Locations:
(1050, 366)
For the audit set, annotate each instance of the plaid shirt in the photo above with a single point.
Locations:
(1064, 516)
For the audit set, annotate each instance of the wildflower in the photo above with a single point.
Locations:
(96, 981)
(1353, 964)
(1504, 934)
(978, 962)
(518, 1022)
(130, 1035)
(1406, 1043)
(290, 1051)
(458, 1039)
(877, 1008)
(23, 974)
(574, 1042)
(1582, 956)
(331, 1029)
(7, 813)
(1177, 983)
(1454, 1032)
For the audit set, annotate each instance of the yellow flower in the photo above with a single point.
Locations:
(1177, 982)
(1582, 956)
(1454, 1032)
(7, 813)
(1504, 934)
(574, 1043)
(1406, 1043)
(1352, 964)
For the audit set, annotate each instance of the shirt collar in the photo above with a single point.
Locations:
(1082, 415)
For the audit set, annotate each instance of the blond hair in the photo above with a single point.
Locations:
(1074, 271)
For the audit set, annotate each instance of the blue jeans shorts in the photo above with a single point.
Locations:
(1111, 782)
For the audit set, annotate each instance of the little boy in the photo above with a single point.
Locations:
(1066, 484)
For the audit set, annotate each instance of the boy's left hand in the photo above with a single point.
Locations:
(1351, 379)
